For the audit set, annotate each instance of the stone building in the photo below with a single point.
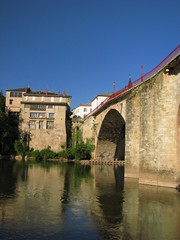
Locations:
(44, 115)
(13, 100)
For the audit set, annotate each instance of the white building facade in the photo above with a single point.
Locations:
(98, 100)
(84, 109)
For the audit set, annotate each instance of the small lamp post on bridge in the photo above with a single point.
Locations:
(141, 72)
(113, 87)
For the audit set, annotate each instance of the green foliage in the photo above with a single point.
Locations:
(21, 146)
(78, 150)
(76, 137)
(9, 131)
(35, 154)
(47, 154)
(69, 153)
(2, 102)
(63, 154)
(18, 147)
(44, 154)
(82, 152)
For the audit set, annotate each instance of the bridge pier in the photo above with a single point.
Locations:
(152, 131)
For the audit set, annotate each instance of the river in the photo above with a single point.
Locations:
(70, 201)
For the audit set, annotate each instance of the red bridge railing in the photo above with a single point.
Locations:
(147, 76)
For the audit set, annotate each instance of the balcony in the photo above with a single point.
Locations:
(39, 107)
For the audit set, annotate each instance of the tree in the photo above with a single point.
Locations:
(9, 131)
(2, 102)
(22, 146)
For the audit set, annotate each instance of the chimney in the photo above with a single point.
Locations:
(64, 93)
(46, 92)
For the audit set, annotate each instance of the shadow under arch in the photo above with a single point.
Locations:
(111, 138)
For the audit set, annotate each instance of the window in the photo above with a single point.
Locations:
(37, 115)
(49, 125)
(38, 107)
(33, 114)
(50, 106)
(11, 94)
(40, 124)
(14, 114)
(26, 105)
(10, 101)
(15, 94)
(51, 115)
(85, 109)
(32, 124)
(41, 115)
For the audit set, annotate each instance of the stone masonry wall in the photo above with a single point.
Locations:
(132, 145)
(151, 132)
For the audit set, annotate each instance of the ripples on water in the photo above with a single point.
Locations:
(66, 201)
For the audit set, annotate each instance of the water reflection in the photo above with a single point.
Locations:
(67, 201)
(9, 174)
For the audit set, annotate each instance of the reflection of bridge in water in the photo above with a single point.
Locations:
(102, 162)
(140, 125)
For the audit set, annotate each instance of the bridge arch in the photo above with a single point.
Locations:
(111, 137)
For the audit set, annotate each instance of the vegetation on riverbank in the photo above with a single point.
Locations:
(9, 131)
(78, 149)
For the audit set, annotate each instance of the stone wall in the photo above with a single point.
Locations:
(151, 131)
(132, 145)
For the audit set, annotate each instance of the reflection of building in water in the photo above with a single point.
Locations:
(54, 196)
(38, 192)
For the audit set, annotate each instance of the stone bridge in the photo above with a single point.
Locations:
(140, 124)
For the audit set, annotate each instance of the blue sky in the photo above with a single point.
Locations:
(83, 46)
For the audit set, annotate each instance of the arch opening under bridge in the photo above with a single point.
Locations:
(111, 138)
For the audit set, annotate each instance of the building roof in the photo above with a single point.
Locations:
(40, 93)
(47, 93)
(90, 104)
(101, 95)
(26, 89)
(83, 105)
